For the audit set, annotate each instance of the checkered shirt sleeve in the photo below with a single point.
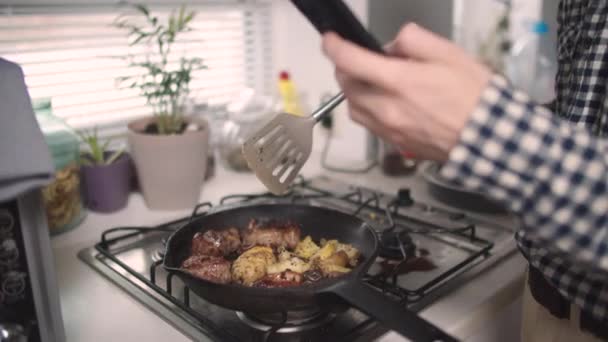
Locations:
(551, 172)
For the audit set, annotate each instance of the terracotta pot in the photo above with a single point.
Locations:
(170, 168)
(106, 187)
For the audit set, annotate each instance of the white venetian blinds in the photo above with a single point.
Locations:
(70, 54)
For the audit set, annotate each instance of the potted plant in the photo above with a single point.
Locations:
(106, 175)
(169, 148)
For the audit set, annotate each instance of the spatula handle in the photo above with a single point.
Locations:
(327, 107)
(334, 15)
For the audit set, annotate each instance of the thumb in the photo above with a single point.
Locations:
(420, 44)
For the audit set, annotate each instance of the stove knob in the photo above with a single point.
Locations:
(404, 198)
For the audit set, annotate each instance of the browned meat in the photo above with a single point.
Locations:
(214, 269)
(283, 279)
(216, 242)
(272, 234)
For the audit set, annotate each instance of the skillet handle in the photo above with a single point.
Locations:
(389, 313)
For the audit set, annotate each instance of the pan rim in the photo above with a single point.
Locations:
(324, 285)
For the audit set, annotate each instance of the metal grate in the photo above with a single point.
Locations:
(385, 212)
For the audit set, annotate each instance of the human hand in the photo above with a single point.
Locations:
(418, 97)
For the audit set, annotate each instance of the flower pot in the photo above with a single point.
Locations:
(170, 168)
(106, 188)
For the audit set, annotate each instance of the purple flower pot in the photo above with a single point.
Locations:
(106, 188)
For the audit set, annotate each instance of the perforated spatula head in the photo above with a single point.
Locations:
(277, 152)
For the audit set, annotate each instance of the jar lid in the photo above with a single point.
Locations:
(60, 138)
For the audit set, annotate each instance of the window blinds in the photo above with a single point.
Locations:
(71, 54)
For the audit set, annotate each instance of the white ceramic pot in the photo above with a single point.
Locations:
(170, 168)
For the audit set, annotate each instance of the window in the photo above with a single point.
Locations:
(71, 54)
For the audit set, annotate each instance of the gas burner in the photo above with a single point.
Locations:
(287, 322)
(396, 245)
(159, 254)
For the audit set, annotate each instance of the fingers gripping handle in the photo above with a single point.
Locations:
(335, 16)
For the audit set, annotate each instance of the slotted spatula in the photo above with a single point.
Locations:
(277, 152)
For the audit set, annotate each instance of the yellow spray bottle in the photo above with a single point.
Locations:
(289, 95)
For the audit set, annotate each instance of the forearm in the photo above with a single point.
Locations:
(550, 172)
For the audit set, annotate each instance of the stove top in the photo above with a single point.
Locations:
(426, 251)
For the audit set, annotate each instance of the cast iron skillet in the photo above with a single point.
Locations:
(326, 294)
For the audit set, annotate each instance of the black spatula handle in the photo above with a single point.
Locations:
(334, 15)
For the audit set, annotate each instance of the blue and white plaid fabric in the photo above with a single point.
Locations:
(552, 169)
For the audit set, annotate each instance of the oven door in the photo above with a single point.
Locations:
(29, 299)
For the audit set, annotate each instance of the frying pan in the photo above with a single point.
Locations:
(317, 222)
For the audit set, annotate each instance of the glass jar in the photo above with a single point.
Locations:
(245, 116)
(234, 133)
(62, 199)
(396, 162)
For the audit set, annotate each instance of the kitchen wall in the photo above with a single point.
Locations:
(473, 20)
(297, 49)
(387, 17)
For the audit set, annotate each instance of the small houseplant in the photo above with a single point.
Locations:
(106, 175)
(169, 148)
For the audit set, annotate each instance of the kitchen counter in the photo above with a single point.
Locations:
(94, 309)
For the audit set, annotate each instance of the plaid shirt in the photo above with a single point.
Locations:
(552, 169)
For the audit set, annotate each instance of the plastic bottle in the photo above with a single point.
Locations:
(531, 65)
(289, 95)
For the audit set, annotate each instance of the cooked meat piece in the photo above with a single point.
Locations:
(216, 242)
(214, 269)
(283, 279)
(272, 234)
(251, 265)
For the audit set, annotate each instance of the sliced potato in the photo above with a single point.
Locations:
(352, 253)
(251, 265)
(326, 251)
(340, 258)
(284, 254)
(331, 270)
(293, 264)
(306, 248)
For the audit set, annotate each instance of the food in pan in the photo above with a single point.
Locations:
(288, 262)
(282, 279)
(351, 252)
(267, 254)
(306, 248)
(215, 269)
(272, 234)
(251, 265)
(216, 242)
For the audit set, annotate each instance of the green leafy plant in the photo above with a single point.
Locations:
(96, 154)
(165, 85)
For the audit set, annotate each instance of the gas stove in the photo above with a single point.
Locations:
(426, 251)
